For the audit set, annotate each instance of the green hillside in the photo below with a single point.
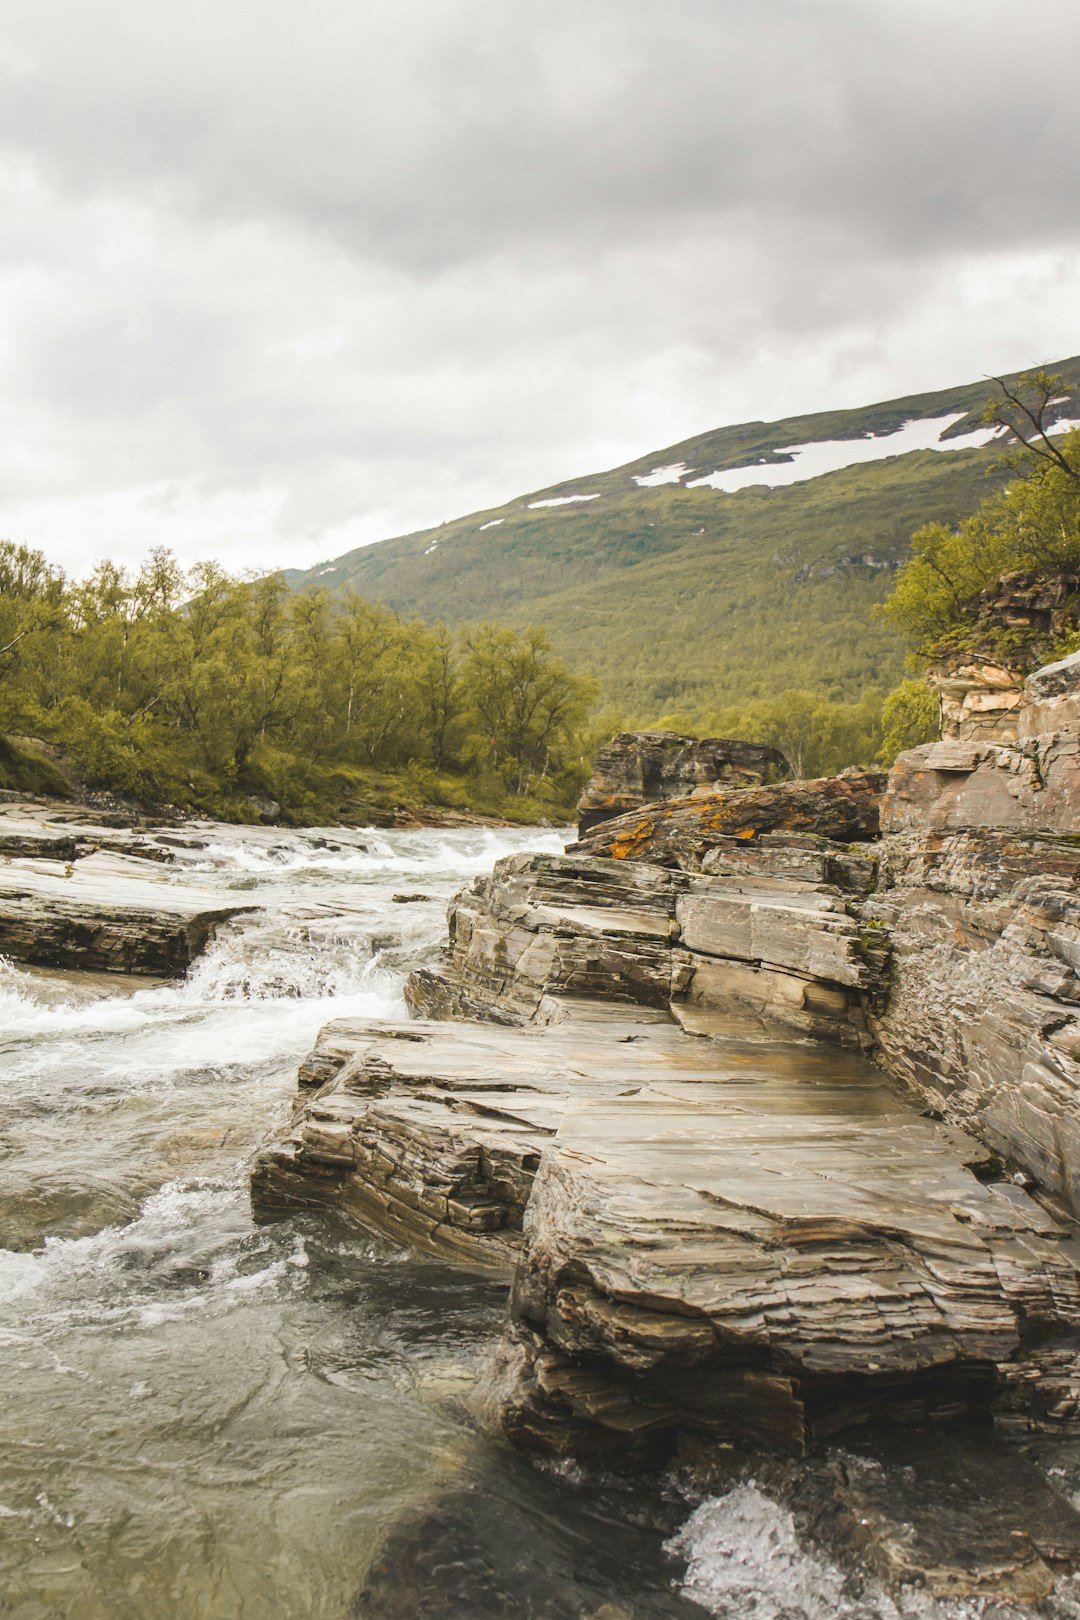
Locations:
(685, 599)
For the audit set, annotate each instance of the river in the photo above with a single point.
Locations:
(206, 1417)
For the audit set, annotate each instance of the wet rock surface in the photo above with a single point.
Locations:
(499, 1549)
(108, 895)
(751, 1103)
(106, 913)
(640, 767)
(739, 1238)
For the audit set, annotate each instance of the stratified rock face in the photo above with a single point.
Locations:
(751, 1236)
(981, 1020)
(681, 832)
(980, 895)
(1031, 783)
(762, 1255)
(771, 930)
(982, 690)
(639, 767)
(737, 1238)
(104, 913)
(433, 1133)
(980, 699)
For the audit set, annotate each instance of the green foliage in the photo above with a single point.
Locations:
(818, 736)
(1034, 522)
(909, 717)
(685, 600)
(525, 707)
(208, 691)
(26, 768)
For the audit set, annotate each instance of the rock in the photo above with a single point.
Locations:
(766, 1254)
(1026, 775)
(111, 913)
(794, 949)
(549, 925)
(742, 1238)
(503, 1547)
(640, 767)
(904, 1508)
(979, 697)
(978, 891)
(268, 810)
(681, 832)
(981, 689)
(432, 1134)
(981, 1021)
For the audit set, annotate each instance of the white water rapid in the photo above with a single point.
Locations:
(202, 1418)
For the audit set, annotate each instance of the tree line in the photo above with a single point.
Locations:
(204, 690)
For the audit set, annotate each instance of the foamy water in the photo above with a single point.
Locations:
(205, 1417)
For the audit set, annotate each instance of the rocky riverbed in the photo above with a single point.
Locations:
(763, 1098)
(707, 1191)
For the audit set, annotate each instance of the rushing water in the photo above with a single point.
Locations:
(202, 1417)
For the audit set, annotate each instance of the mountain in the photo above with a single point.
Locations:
(726, 567)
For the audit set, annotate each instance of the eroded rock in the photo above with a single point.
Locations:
(111, 913)
(640, 767)
(795, 949)
(681, 832)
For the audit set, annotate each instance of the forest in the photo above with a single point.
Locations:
(243, 699)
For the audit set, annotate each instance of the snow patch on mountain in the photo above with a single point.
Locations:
(563, 500)
(829, 455)
(672, 474)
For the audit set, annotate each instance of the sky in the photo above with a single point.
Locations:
(278, 279)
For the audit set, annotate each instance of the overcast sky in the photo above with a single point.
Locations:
(278, 279)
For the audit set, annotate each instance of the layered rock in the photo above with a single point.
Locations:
(681, 832)
(980, 894)
(104, 913)
(767, 1256)
(640, 767)
(739, 1238)
(90, 891)
(753, 1236)
(1031, 782)
(434, 1135)
(1012, 628)
(770, 932)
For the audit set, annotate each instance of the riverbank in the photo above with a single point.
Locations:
(762, 1099)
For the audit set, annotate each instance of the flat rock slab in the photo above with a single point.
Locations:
(105, 913)
(769, 1252)
(742, 1237)
(432, 1133)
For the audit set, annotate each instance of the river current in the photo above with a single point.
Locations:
(205, 1417)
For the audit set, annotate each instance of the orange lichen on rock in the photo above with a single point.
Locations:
(678, 832)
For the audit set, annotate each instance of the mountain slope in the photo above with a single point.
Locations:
(682, 590)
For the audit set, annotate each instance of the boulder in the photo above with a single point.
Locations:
(681, 832)
(639, 767)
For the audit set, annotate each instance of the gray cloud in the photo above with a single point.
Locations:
(278, 278)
